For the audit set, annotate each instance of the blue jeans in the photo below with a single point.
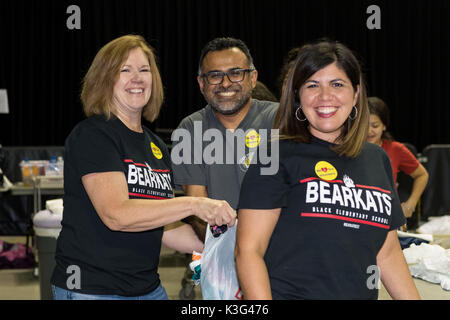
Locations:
(62, 294)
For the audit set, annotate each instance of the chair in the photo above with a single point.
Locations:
(405, 184)
(436, 198)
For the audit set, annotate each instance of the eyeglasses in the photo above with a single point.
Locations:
(216, 77)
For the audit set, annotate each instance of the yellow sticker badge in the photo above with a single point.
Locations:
(156, 151)
(252, 139)
(325, 170)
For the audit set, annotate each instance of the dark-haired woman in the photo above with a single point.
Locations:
(401, 158)
(324, 226)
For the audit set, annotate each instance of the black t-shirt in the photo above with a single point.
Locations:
(110, 262)
(336, 213)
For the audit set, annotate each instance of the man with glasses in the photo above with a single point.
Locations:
(226, 77)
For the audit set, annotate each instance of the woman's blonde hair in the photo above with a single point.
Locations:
(98, 83)
(312, 58)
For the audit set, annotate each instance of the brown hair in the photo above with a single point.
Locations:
(98, 83)
(312, 58)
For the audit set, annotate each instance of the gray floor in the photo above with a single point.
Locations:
(24, 285)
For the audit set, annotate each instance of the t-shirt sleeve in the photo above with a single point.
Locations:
(166, 155)
(185, 169)
(398, 218)
(264, 191)
(94, 150)
(408, 162)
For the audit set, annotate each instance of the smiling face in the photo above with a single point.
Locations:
(327, 98)
(227, 98)
(132, 89)
(376, 129)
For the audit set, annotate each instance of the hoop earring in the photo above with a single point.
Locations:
(296, 115)
(356, 113)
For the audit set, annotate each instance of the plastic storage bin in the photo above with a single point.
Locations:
(47, 226)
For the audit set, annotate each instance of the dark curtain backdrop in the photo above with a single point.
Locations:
(42, 62)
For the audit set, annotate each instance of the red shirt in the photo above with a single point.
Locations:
(401, 158)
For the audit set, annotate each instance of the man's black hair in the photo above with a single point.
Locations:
(219, 44)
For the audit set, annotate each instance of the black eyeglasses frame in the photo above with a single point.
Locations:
(205, 75)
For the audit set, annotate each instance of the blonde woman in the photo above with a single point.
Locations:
(118, 185)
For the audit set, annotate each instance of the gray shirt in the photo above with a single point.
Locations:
(219, 158)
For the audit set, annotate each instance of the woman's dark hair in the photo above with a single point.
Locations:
(379, 108)
(312, 58)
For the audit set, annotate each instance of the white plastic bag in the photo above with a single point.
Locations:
(430, 263)
(436, 225)
(218, 277)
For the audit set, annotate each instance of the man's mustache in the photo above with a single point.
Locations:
(230, 88)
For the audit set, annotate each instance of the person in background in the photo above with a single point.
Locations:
(261, 92)
(118, 193)
(325, 225)
(401, 158)
(288, 63)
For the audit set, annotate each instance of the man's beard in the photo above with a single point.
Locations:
(240, 103)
